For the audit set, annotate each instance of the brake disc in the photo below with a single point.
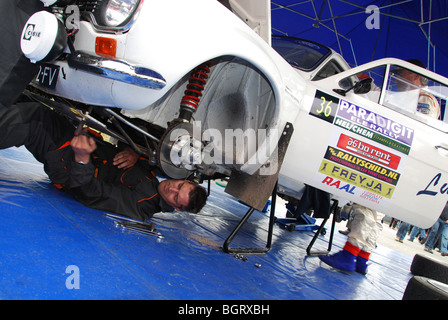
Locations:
(180, 150)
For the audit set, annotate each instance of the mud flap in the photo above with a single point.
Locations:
(255, 190)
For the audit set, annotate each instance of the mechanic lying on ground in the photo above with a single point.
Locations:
(87, 171)
(76, 164)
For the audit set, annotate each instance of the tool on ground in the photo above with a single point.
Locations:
(134, 225)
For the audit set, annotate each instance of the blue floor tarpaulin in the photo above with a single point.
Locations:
(53, 247)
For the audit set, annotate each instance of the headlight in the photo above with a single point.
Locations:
(115, 13)
(119, 11)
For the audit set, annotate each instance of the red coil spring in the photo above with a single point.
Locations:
(195, 86)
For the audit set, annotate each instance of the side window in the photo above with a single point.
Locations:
(413, 92)
(405, 91)
(331, 68)
(377, 75)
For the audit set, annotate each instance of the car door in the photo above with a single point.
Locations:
(374, 148)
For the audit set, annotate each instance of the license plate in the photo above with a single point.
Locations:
(47, 75)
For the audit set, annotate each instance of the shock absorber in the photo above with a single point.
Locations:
(193, 93)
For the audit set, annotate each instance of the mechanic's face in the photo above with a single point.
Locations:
(176, 193)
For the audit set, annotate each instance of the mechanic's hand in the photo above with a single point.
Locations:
(83, 146)
(125, 159)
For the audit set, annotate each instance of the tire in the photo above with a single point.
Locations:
(421, 288)
(429, 268)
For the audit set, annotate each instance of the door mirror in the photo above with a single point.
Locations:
(361, 87)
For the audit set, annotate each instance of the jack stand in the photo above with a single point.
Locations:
(334, 210)
(226, 248)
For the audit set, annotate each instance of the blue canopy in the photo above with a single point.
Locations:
(369, 30)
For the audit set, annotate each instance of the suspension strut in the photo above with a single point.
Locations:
(179, 151)
(193, 93)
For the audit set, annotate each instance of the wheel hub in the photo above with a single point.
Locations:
(180, 151)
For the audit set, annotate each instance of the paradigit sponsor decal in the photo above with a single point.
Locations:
(375, 122)
(361, 121)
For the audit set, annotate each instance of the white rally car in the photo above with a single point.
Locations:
(200, 88)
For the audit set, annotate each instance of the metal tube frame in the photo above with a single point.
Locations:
(333, 210)
(232, 235)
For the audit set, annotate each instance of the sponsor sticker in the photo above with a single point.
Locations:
(369, 151)
(364, 153)
(354, 178)
(361, 121)
(361, 165)
(375, 122)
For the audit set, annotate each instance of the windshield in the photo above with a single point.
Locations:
(302, 54)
